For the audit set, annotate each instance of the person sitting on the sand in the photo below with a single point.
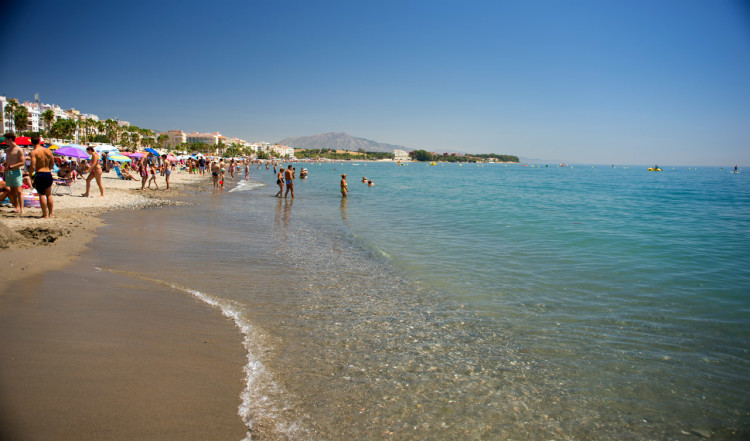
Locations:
(64, 172)
(83, 167)
(126, 174)
(4, 190)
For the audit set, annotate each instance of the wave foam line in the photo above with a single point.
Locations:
(247, 186)
(260, 387)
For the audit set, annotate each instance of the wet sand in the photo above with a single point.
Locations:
(91, 355)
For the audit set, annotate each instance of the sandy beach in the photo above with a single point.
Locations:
(80, 362)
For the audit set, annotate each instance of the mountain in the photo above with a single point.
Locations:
(339, 141)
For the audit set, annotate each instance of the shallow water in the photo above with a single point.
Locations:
(472, 302)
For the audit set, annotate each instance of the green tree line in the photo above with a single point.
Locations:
(333, 155)
(425, 156)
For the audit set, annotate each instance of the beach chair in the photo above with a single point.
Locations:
(119, 174)
(62, 185)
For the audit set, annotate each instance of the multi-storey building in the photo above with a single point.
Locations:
(7, 124)
(204, 138)
(400, 155)
(176, 137)
(282, 151)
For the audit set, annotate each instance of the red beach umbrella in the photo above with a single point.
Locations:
(22, 140)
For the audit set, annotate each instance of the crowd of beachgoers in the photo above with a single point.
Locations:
(39, 182)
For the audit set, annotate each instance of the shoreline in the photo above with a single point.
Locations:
(84, 363)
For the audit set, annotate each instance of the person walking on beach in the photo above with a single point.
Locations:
(247, 169)
(95, 172)
(344, 187)
(152, 171)
(42, 162)
(289, 180)
(14, 162)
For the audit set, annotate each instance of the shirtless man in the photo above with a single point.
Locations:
(14, 162)
(143, 169)
(289, 180)
(215, 170)
(41, 164)
(94, 172)
(167, 168)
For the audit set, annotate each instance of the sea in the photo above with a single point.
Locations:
(469, 301)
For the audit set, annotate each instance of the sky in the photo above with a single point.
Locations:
(579, 81)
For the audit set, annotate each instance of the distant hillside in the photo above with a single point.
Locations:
(339, 141)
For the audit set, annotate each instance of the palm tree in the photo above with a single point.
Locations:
(21, 119)
(100, 127)
(10, 112)
(162, 140)
(90, 124)
(135, 138)
(48, 116)
(111, 129)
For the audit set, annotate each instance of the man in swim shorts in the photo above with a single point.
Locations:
(14, 162)
(215, 169)
(288, 180)
(41, 164)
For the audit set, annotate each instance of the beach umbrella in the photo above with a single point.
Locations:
(54, 147)
(171, 157)
(72, 151)
(105, 148)
(152, 151)
(23, 140)
(136, 155)
(119, 158)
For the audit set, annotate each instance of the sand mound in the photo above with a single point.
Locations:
(7, 236)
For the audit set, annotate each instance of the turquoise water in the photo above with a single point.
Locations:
(474, 302)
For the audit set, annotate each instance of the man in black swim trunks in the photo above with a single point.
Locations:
(41, 164)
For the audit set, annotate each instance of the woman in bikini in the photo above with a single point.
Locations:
(95, 172)
(344, 187)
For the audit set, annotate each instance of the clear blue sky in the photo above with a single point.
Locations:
(626, 82)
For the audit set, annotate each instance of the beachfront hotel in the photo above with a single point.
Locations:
(35, 122)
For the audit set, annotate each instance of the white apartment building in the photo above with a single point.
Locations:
(7, 125)
(205, 138)
(57, 110)
(260, 146)
(282, 151)
(176, 137)
(238, 141)
(33, 117)
(401, 155)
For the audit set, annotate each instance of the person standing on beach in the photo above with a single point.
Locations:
(289, 180)
(143, 170)
(95, 172)
(344, 187)
(247, 169)
(280, 183)
(14, 162)
(215, 169)
(167, 168)
(152, 170)
(42, 162)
